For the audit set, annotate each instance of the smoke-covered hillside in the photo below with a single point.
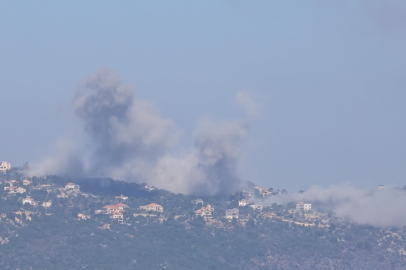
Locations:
(64, 223)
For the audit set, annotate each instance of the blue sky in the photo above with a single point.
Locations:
(329, 77)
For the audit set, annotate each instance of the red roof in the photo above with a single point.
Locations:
(116, 206)
(154, 204)
(121, 205)
(110, 207)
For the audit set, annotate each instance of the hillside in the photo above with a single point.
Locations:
(106, 224)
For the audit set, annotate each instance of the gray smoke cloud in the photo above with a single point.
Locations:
(382, 207)
(130, 140)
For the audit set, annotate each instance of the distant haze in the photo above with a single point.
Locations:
(329, 77)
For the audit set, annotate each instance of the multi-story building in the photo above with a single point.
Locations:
(205, 212)
(72, 186)
(82, 216)
(122, 197)
(243, 202)
(256, 207)
(232, 213)
(29, 200)
(47, 204)
(152, 207)
(303, 206)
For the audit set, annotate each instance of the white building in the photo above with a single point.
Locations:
(47, 204)
(256, 207)
(303, 206)
(119, 216)
(243, 202)
(198, 201)
(205, 212)
(122, 197)
(82, 216)
(72, 186)
(108, 209)
(20, 190)
(4, 166)
(152, 207)
(232, 213)
(29, 200)
(26, 182)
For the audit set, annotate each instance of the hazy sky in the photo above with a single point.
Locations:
(329, 77)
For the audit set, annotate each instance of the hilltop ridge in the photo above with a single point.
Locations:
(101, 223)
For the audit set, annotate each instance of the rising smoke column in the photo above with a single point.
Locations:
(119, 126)
(128, 139)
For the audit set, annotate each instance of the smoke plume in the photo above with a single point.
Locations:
(382, 207)
(128, 139)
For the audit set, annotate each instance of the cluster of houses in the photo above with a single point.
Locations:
(263, 191)
(206, 212)
(12, 189)
(31, 201)
(116, 211)
(46, 204)
(254, 206)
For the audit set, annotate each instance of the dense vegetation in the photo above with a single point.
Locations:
(54, 238)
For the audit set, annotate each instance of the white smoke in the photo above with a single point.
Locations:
(129, 140)
(382, 207)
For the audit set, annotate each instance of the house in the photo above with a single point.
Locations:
(108, 209)
(11, 182)
(257, 207)
(4, 166)
(232, 213)
(72, 186)
(83, 217)
(205, 212)
(29, 200)
(152, 207)
(122, 197)
(20, 190)
(47, 204)
(119, 216)
(121, 206)
(62, 195)
(98, 211)
(146, 186)
(12, 190)
(262, 189)
(266, 193)
(303, 206)
(198, 201)
(26, 182)
(247, 193)
(243, 202)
